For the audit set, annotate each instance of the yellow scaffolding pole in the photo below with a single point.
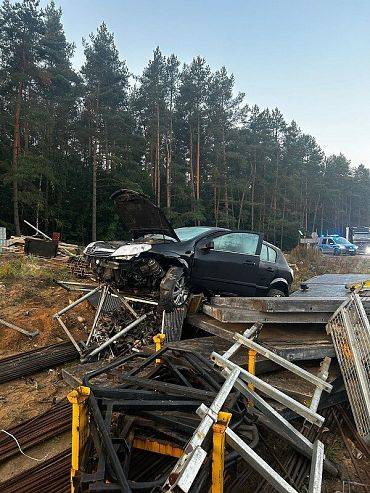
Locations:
(158, 341)
(77, 398)
(218, 452)
(251, 365)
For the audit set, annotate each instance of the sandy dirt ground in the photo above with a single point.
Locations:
(29, 298)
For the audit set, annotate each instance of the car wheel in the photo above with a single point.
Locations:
(174, 289)
(336, 252)
(276, 293)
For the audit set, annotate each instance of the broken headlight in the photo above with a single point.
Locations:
(126, 252)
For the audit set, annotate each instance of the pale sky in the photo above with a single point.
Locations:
(311, 59)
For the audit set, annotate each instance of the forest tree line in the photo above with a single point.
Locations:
(177, 132)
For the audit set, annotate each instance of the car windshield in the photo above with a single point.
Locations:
(189, 233)
(341, 241)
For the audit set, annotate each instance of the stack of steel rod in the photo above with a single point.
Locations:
(22, 364)
(36, 430)
(152, 410)
(50, 476)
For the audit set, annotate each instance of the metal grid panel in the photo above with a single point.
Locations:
(110, 304)
(350, 331)
(173, 323)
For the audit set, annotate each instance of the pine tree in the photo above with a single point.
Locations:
(151, 104)
(106, 95)
(191, 104)
(223, 112)
(21, 29)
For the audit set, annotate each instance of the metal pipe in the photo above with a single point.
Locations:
(72, 339)
(77, 302)
(115, 337)
(97, 314)
(38, 230)
(19, 329)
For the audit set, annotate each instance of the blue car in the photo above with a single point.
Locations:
(336, 245)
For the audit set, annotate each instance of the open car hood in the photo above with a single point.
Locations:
(139, 216)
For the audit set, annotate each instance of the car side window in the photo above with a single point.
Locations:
(330, 241)
(272, 254)
(324, 241)
(264, 255)
(237, 243)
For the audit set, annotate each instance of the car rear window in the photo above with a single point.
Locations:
(267, 254)
(272, 254)
(264, 255)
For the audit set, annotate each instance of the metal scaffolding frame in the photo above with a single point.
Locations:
(349, 328)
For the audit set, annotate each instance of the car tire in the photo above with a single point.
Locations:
(276, 293)
(174, 290)
(337, 252)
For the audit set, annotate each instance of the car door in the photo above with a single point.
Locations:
(331, 245)
(227, 263)
(323, 245)
(268, 268)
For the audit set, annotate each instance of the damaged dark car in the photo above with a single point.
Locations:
(169, 264)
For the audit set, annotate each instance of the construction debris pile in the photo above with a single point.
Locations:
(40, 245)
(174, 410)
(112, 323)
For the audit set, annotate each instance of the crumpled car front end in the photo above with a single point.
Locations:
(126, 265)
(146, 265)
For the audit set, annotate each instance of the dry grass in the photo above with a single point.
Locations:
(28, 268)
(308, 262)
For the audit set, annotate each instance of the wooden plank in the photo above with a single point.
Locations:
(279, 305)
(214, 327)
(238, 315)
(293, 342)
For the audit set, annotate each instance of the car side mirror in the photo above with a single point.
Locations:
(208, 246)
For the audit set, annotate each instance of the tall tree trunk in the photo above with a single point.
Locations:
(215, 201)
(322, 219)
(225, 176)
(168, 177)
(191, 169)
(95, 171)
(39, 202)
(197, 171)
(241, 204)
(169, 157)
(95, 165)
(263, 208)
(315, 214)
(16, 149)
(158, 174)
(283, 218)
(253, 189)
(276, 188)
